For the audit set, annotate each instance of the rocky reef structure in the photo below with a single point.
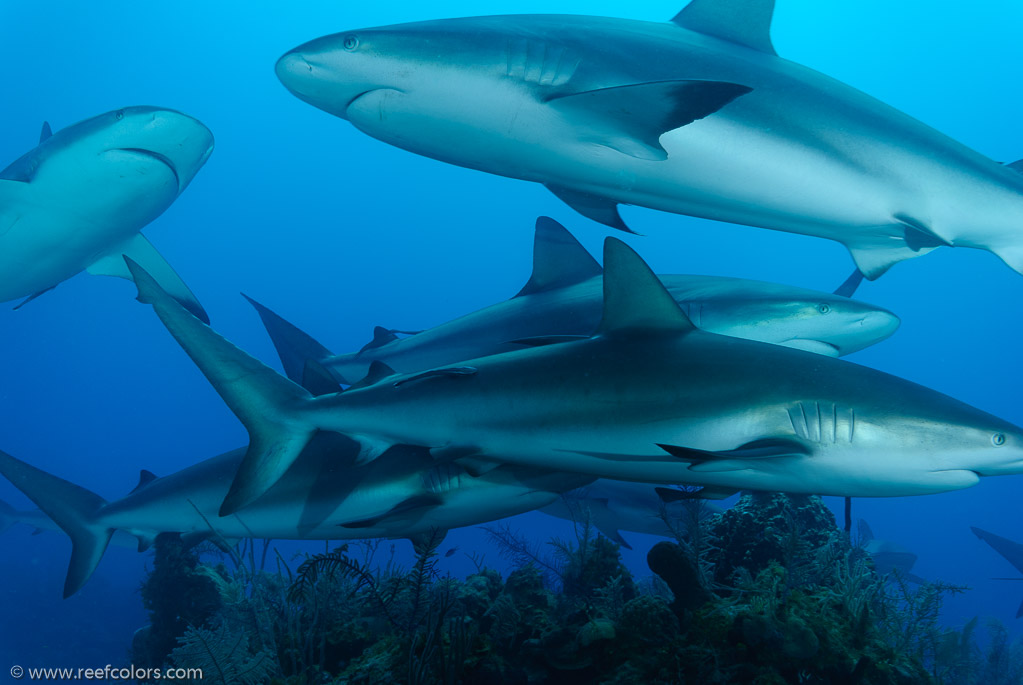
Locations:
(768, 592)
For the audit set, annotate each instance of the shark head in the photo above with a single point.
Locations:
(146, 145)
(803, 319)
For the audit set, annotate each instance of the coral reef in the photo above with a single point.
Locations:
(769, 592)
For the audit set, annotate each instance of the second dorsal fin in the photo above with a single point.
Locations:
(558, 259)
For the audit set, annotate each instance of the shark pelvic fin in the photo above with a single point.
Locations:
(45, 132)
(849, 286)
(378, 371)
(267, 404)
(558, 259)
(634, 298)
(601, 209)
(71, 507)
(746, 22)
(294, 346)
(142, 252)
(631, 119)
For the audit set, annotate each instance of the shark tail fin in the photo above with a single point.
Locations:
(295, 347)
(268, 405)
(71, 507)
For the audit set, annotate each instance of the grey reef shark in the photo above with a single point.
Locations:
(612, 506)
(889, 557)
(78, 201)
(1010, 550)
(562, 301)
(648, 397)
(697, 116)
(405, 493)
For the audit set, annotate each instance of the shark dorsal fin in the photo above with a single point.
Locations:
(634, 298)
(1016, 166)
(559, 259)
(377, 372)
(145, 478)
(381, 336)
(746, 22)
(865, 534)
(46, 132)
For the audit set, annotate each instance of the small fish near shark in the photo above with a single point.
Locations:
(79, 200)
(648, 398)
(697, 116)
(404, 493)
(562, 301)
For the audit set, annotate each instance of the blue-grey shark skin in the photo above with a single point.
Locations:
(563, 298)
(697, 116)
(611, 506)
(404, 493)
(1010, 550)
(649, 398)
(79, 200)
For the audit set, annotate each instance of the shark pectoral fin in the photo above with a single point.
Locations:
(71, 507)
(746, 22)
(294, 346)
(271, 407)
(543, 340)
(669, 495)
(739, 458)
(381, 336)
(32, 297)
(634, 298)
(378, 371)
(721, 466)
(1012, 255)
(45, 132)
(449, 372)
(632, 118)
(559, 260)
(141, 251)
(410, 508)
(601, 209)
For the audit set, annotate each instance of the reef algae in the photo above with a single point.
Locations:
(769, 592)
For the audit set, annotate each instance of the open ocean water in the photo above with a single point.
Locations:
(339, 232)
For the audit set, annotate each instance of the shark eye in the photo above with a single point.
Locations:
(119, 114)
(998, 439)
(824, 307)
(350, 42)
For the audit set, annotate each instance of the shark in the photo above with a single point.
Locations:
(404, 493)
(78, 200)
(649, 397)
(611, 506)
(889, 557)
(1011, 551)
(562, 301)
(697, 116)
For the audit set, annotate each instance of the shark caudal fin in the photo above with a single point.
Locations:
(267, 404)
(71, 507)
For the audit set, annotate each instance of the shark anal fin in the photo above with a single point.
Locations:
(417, 504)
(745, 22)
(632, 118)
(634, 298)
(142, 252)
(601, 209)
(558, 259)
(449, 372)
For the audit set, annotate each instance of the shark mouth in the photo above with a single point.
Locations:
(163, 159)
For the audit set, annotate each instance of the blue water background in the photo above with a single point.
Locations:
(339, 233)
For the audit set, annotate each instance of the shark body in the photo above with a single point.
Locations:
(79, 200)
(562, 300)
(648, 398)
(697, 116)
